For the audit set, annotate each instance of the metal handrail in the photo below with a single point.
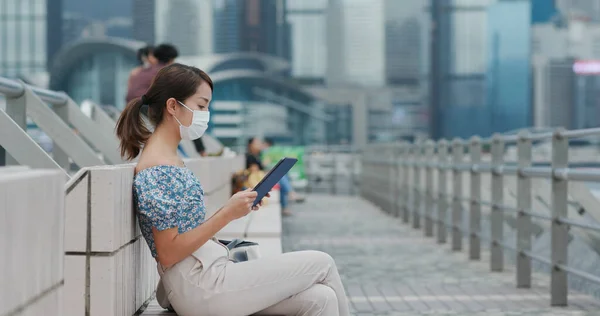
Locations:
(14, 89)
(409, 169)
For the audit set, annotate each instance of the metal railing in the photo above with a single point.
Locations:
(393, 177)
(77, 139)
(332, 168)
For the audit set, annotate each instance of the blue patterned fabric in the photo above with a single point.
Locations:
(166, 197)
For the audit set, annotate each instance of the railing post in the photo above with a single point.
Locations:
(524, 205)
(398, 201)
(457, 157)
(393, 174)
(442, 204)
(406, 187)
(363, 180)
(16, 108)
(59, 154)
(428, 213)
(334, 169)
(497, 216)
(417, 186)
(560, 232)
(475, 207)
(353, 172)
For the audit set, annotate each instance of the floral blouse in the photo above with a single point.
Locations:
(165, 197)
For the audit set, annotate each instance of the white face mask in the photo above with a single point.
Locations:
(197, 128)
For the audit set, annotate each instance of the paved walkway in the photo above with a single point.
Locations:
(390, 269)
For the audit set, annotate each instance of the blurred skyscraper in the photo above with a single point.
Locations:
(251, 26)
(590, 9)
(471, 91)
(543, 11)
(227, 16)
(23, 37)
(566, 80)
(356, 42)
(373, 54)
(144, 20)
(403, 21)
(54, 34)
(308, 23)
(74, 25)
(92, 18)
(187, 24)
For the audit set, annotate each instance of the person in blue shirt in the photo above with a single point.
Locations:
(197, 276)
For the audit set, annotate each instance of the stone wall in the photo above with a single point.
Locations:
(31, 241)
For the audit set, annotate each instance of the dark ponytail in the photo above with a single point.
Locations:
(173, 81)
(131, 129)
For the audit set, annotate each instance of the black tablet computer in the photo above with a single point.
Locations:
(273, 176)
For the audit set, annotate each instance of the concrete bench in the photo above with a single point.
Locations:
(31, 241)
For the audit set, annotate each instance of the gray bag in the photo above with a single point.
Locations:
(239, 251)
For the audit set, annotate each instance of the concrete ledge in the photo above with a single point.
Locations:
(31, 241)
(109, 269)
(216, 199)
(118, 283)
(265, 222)
(235, 229)
(113, 222)
(76, 203)
(12, 169)
(214, 172)
(121, 283)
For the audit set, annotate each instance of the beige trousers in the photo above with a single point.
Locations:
(303, 283)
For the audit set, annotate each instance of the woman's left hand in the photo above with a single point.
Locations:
(255, 208)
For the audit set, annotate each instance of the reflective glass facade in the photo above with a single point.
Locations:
(300, 129)
(22, 37)
(308, 23)
(339, 131)
(187, 24)
(484, 87)
(102, 78)
(251, 26)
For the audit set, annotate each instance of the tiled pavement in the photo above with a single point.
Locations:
(389, 268)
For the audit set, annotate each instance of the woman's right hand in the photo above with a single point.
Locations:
(240, 204)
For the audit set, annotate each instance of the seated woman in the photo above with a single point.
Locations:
(197, 275)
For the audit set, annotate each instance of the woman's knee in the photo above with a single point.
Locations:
(322, 258)
(322, 296)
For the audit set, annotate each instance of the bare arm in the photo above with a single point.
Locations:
(173, 247)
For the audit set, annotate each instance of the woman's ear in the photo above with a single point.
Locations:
(171, 106)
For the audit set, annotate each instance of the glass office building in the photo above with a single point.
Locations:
(239, 112)
(251, 26)
(22, 38)
(251, 98)
(95, 70)
(484, 85)
(308, 34)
